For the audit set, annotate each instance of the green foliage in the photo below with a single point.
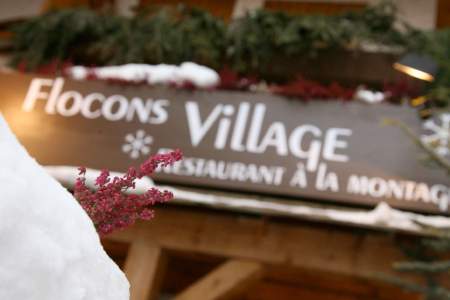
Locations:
(249, 45)
(257, 39)
(86, 37)
(377, 24)
(54, 36)
(426, 261)
(181, 34)
(440, 93)
(435, 44)
(205, 36)
(438, 47)
(253, 40)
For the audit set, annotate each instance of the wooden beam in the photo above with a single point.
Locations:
(443, 14)
(268, 290)
(337, 250)
(226, 281)
(312, 7)
(144, 268)
(242, 7)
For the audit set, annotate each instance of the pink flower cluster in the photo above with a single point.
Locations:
(110, 206)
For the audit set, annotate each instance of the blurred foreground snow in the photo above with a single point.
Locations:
(49, 249)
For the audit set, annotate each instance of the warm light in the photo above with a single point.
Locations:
(418, 101)
(413, 72)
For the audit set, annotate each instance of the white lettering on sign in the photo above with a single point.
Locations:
(94, 105)
(377, 187)
(306, 141)
(226, 170)
(243, 127)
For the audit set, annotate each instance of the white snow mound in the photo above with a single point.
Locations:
(49, 249)
(188, 72)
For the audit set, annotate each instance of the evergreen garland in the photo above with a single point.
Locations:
(248, 45)
(181, 34)
(436, 44)
(54, 36)
(89, 38)
(257, 39)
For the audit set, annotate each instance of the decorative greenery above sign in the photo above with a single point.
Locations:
(250, 142)
(176, 35)
(260, 44)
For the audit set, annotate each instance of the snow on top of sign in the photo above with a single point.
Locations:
(49, 247)
(68, 175)
(381, 216)
(188, 72)
(368, 96)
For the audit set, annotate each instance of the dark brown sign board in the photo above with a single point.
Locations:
(241, 141)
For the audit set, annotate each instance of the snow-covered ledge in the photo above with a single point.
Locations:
(381, 217)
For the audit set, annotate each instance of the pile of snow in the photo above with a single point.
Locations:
(368, 96)
(49, 249)
(188, 72)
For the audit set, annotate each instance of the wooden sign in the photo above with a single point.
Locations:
(252, 142)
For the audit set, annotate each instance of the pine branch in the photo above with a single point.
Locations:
(441, 245)
(413, 287)
(431, 291)
(423, 267)
(445, 164)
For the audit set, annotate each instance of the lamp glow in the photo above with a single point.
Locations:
(414, 72)
(418, 101)
(418, 66)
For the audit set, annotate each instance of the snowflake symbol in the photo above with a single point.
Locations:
(439, 138)
(138, 144)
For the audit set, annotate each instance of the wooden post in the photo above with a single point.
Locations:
(144, 268)
(228, 280)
